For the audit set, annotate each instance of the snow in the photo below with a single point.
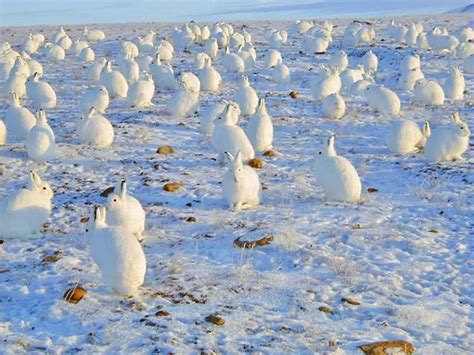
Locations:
(405, 253)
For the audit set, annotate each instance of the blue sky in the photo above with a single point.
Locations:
(35, 12)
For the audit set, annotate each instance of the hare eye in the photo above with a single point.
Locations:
(320, 153)
(115, 200)
(462, 127)
(87, 230)
(44, 188)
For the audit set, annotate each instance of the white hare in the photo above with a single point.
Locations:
(183, 103)
(96, 96)
(334, 106)
(163, 74)
(23, 212)
(3, 133)
(232, 62)
(19, 120)
(241, 186)
(40, 142)
(336, 175)
(339, 60)
(448, 143)
(95, 70)
(114, 81)
(95, 129)
(454, 85)
(125, 211)
(93, 35)
(404, 136)
(272, 58)
(260, 129)
(227, 137)
(117, 253)
(327, 83)
(383, 100)
(211, 47)
(246, 97)
(40, 92)
(281, 74)
(209, 77)
(140, 93)
(209, 115)
(429, 92)
(370, 62)
(408, 79)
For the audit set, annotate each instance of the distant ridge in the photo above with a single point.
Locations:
(461, 10)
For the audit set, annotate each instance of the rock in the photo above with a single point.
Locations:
(162, 314)
(165, 149)
(350, 301)
(269, 153)
(215, 319)
(49, 259)
(107, 191)
(372, 189)
(84, 220)
(326, 309)
(256, 163)
(74, 295)
(388, 347)
(191, 219)
(172, 186)
(294, 94)
(252, 244)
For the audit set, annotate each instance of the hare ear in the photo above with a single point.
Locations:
(331, 140)
(230, 157)
(238, 157)
(455, 117)
(426, 129)
(123, 189)
(92, 111)
(34, 179)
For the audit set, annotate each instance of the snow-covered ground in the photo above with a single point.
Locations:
(405, 253)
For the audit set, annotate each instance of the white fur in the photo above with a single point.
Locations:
(40, 142)
(211, 47)
(339, 60)
(163, 74)
(327, 83)
(246, 97)
(129, 68)
(95, 129)
(96, 96)
(272, 58)
(336, 175)
(209, 77)
(183, 103)
(227, 137)
(117, 253)
(93, 35)
(464, 50)
(383, 100)
(140, 92)
(241, 186)
(370, 62)
(23, 212)
(260, 129)
(281, 74)
(410, 62)
(208, 116)
(54, 52)
(87, 55)
(334, 106)
(3, 133)
(404, 136)
(468, 64)
(429, 92)
(454, 85)
(41, 93)
(440, 42)
(408, 78)
(95, 70)
(125, 211)
(114, 81)
(16, 83)
(232, 62)
(449, 142)
(19, 120)
(350, 76)
(192, 81)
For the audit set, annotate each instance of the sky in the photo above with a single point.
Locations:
(43, 12)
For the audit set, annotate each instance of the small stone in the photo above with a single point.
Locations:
(74, 295)
(84, 220)
(107, 191)
(215, 319)
(191, 219)
(269, 153)
(172, 186)
(388, 347)
(433, 231)
(165, 149)
(350, 301)
(256, 163)
(49, 259)
(294, 94)
(162, 314)
(326, 309)
(372, 189)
